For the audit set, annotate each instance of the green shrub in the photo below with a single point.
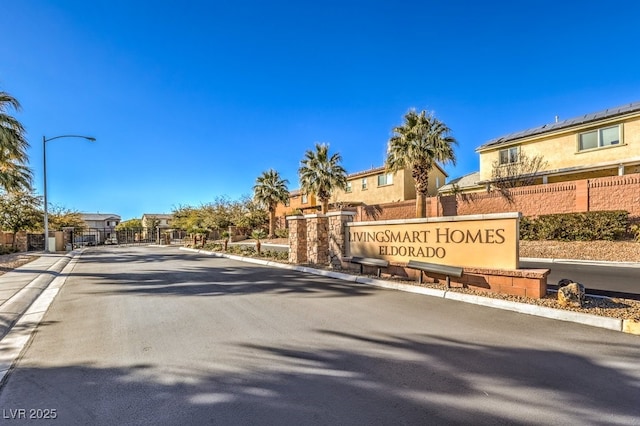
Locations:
(7, 250)
(589, 226)
(635, 231)
(282, 233)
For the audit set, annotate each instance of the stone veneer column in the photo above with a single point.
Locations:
(338, 236)
(297, 239)
(317, 239)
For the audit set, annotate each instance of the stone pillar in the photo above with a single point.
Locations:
(297, 239)
(338, 236)
(317, 239)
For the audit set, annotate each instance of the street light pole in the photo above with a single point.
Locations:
(44, 172)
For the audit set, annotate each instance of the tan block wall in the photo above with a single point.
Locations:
(387, 211)
(616, 193)
(607, 193)
(6, 239)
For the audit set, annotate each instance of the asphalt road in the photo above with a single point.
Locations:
(160, 336)
(599, 277)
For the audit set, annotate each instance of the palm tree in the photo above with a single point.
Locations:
(321, 174)
(269, 190)
(14, 173)
(420, 142)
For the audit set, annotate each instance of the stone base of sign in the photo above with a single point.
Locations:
(516, 282)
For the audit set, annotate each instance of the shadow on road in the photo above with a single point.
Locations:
(192, 274)
(367, 380)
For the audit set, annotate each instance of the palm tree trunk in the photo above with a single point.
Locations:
(325, 206)
(272, 223)
(421, 205)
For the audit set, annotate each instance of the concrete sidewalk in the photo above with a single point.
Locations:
(22, 286)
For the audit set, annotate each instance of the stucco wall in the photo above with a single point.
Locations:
(560, 149)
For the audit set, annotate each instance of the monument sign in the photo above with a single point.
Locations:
(484, 241)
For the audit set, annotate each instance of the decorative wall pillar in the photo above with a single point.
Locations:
(317, 239)
(582, 195)
(297, 239)
(337, 236)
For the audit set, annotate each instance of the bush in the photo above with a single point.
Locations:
(589, 226)
(282, 233)
(7, 250)
(635, 231)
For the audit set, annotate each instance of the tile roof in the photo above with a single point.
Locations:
(468, 180)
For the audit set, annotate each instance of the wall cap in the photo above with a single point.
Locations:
(295, 217)
(315, 216)
(341, 214)
(491, 216)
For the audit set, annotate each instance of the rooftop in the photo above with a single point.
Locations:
(583, 119)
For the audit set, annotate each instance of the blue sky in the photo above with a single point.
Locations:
(192, 100)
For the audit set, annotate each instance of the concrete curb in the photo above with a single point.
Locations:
(14, 307)
(615, 324)
(13, 343)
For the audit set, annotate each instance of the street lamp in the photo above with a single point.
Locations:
(44, 161)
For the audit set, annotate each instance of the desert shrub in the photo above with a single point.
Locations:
(589, 226)
(7, 250)
(282, 233)
(635, 231)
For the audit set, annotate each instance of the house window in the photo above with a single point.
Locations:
(509, 155)
(364, 183)
(349, 189)
(599, 138)
(287, 203)
(386, 179)
(305, 199)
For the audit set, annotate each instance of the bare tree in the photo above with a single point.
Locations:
(522, 172)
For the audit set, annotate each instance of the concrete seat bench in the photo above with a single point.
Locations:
(368, 261)
(448, 271)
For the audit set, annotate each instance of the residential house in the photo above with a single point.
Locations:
(366, 188)
(600, 144)
(153, 223)
(377, 186)
(100, 227)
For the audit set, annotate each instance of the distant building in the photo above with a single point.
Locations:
(155, 222)
(100, 227)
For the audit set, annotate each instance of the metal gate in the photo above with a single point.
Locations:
(35, 242)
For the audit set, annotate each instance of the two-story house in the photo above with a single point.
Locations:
(600, 144)
(366, 188)
(100, 227)
(153, 223)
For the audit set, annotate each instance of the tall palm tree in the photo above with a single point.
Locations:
(14, 173)
(420, 142)
(269, 190)
(321, 174)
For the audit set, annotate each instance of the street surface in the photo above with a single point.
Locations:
(161, 336)
(600, 277)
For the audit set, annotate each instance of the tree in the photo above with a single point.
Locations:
(420, 142)
(269, 190)
(60, 217)
(522, 171)
(131, 224)
(20, 211)
(321, 174)
(14, 173)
